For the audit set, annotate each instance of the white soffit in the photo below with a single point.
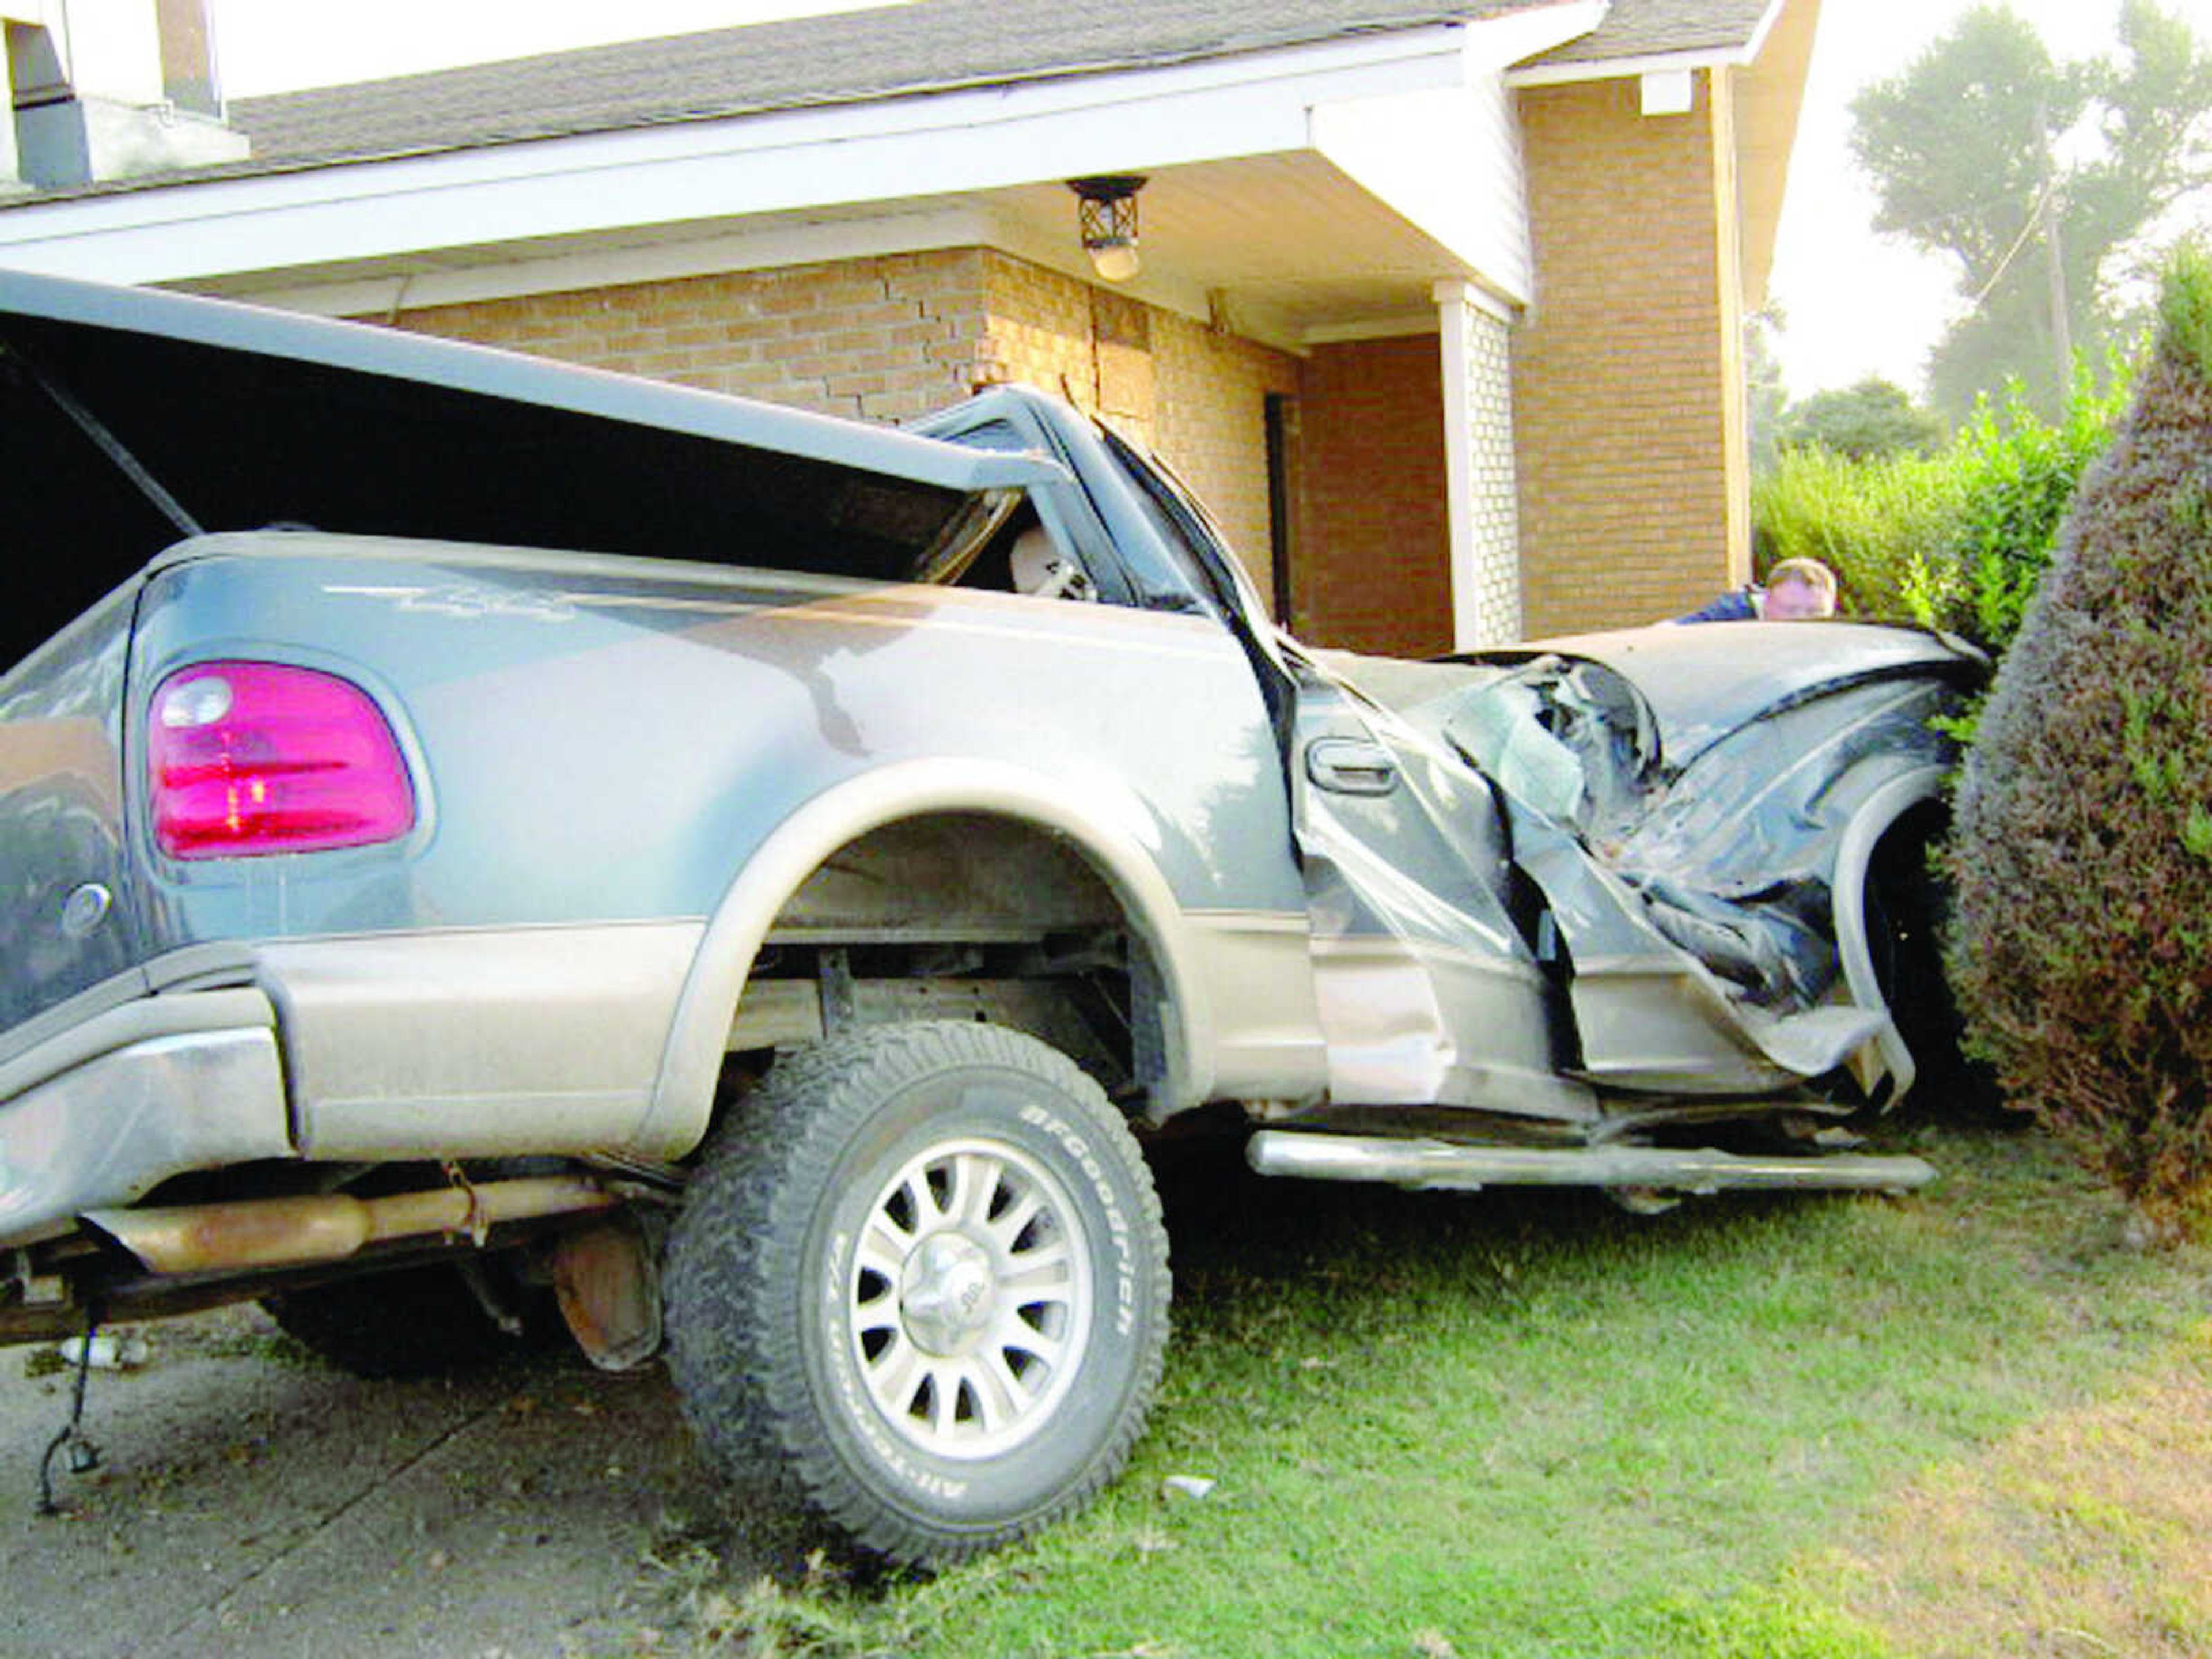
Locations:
(619, 186)
(1278, 244)
(1448, 159)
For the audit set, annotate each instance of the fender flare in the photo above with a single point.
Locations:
(1854, 857)
(1094, 823)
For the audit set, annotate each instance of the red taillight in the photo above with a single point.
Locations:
(253, 757)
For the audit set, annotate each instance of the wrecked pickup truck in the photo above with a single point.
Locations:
(477, 835)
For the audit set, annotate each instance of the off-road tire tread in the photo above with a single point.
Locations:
(737, 1249)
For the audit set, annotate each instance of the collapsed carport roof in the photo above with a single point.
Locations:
(134, 418)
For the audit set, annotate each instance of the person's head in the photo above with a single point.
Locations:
(1798, 590)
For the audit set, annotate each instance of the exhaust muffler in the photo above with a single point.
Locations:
(295, 1232)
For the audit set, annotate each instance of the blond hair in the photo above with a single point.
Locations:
(1813, 574)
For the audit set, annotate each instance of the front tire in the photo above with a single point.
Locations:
(1906, 911)
(922, 1272)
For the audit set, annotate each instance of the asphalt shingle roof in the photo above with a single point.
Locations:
(890, 51)
(840, 57)
(1643, 28)
(850, 57)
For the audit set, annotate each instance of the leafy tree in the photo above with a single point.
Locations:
(1860, 422)
(2028, 174)
(2082, 947)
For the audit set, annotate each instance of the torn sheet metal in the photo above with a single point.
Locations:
(1428, 990)
(1664, 879)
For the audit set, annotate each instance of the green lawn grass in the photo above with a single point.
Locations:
(1531, 1425)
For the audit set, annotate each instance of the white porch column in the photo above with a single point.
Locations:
(11, 165)
(1483, 510)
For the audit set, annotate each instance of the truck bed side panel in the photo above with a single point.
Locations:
(63, 926)
(602, 745)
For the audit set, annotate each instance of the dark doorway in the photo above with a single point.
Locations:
(1282, 418)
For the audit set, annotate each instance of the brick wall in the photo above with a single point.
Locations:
(1194, 395)
(1735, 387)
(1621, 369)
(1210, 425)
(1039, 329)
(1375, 568)
(891, 338)
(881, 338)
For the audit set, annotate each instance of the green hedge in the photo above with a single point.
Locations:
(1953, 540)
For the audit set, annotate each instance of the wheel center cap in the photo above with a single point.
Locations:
(946, 1295)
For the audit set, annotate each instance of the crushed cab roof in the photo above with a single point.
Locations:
(135, 418)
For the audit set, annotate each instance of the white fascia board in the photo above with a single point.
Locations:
(1621, 68)
(32, 12)
(1617, 69)
(1494, 43)
(940, 145)
(1452, 291)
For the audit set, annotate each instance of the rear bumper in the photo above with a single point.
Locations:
(138, 1094)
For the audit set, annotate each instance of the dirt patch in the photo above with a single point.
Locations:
(2086, 1533)
(253, 1502)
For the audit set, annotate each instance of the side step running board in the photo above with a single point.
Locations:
(1443, 1165)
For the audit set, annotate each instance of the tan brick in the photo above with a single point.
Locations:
(1621, 380)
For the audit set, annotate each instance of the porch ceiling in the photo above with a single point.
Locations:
(1282, 248)
(1290, 244)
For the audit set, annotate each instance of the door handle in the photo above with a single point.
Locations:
(1350, 766)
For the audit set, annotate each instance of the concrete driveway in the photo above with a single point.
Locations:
(252, 1502)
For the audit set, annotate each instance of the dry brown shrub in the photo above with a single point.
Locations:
(2081, 949)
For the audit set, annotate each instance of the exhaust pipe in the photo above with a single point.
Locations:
(294, 1232)
(1440, 1165)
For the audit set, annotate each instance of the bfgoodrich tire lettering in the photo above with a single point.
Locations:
(922, 1271)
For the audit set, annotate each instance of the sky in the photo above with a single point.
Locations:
(1856, 304)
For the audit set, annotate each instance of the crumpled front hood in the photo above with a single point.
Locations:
(1702, 680)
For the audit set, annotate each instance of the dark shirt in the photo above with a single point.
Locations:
(1729, 607)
